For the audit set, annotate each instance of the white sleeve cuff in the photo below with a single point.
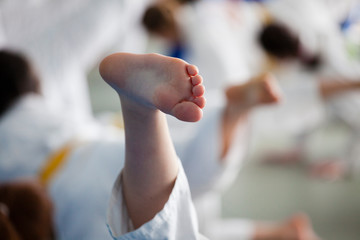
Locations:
(177, 220)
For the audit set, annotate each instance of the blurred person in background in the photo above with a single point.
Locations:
(327, 81)
(186, 31)
(65, 39)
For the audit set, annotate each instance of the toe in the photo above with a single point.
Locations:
(196, 80)
(201, 101)
(198, 90)
(187, 111)
(192, 70)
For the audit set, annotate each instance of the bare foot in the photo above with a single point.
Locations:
(258, 91)
(329, 169)
(296, 228)
(156, 82)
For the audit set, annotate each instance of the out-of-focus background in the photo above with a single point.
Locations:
(266, 191)
(303, 154)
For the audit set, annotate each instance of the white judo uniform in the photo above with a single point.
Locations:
(82, 187)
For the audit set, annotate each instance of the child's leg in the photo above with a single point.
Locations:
(241, 99)
(149, 85)
(260, 90)
(332, 87)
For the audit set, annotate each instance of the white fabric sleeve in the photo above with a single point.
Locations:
(177, 220)
(301, 107)
(201, 153)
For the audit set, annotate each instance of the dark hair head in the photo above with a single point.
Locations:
(29, 211)
(17, 78)
(279, 41)
(158, 18)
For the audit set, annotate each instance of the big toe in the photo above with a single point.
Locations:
(187, 111)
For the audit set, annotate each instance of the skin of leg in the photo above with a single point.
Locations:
(151, 163)
(230, 121)
(297, 227)
(331, 87)
(241, 99)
